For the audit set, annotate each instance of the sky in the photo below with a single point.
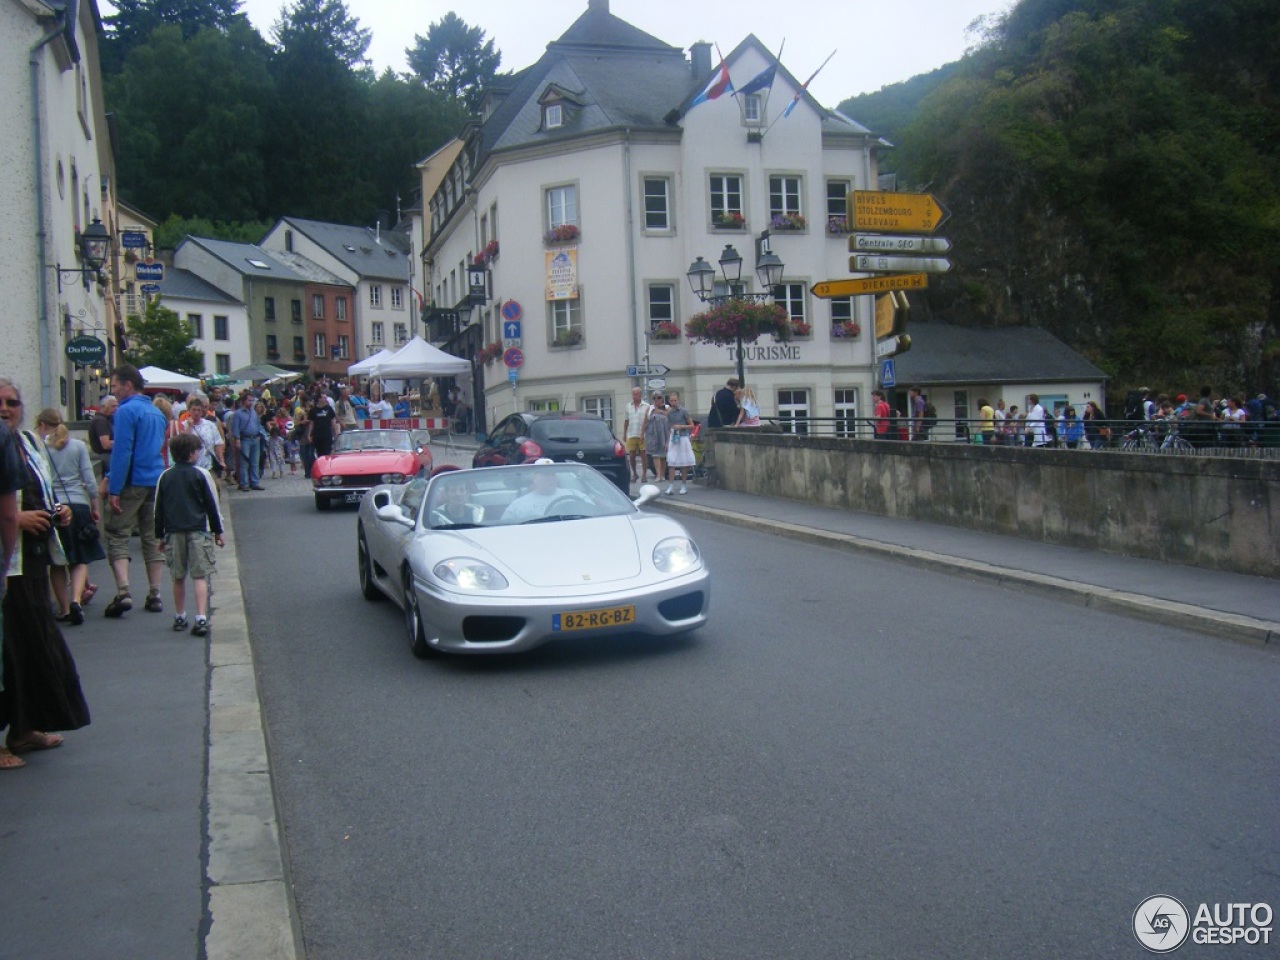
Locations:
(876, 42)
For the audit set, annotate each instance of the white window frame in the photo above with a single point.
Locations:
(793, 402)
(794, 300)
(655, 307)
(397, 298)
(837, 197)
(375, 296)
(841, 310)
(401, 332)
(845, 404)
(317, 306)
(340, 308)
(726, 191)
(786, 194)
(664, 199)
(752, 109)
(344, 347)
(562, 205)
(320, 346)
(552, 116)
(600, 405)
(564, 315)
(375, 331)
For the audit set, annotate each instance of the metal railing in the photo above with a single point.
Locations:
(1169, 438)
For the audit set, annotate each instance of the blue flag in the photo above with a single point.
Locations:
(760, 81)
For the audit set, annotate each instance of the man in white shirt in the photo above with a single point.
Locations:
(380, 409)
(636, 412)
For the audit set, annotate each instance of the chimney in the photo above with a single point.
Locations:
(597, 6)
(700, 59)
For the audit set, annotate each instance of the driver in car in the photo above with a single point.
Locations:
(533, 505)
(454, 507)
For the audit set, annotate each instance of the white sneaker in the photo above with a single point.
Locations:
(683, 489)
(670, 487)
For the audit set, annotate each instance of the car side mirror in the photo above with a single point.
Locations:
(648, 491)
(381, 499)
(393, 514)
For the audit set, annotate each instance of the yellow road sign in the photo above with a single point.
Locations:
(894, 212)
(852, 288)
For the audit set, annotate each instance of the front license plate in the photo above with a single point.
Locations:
(594, 619)
(354, 497)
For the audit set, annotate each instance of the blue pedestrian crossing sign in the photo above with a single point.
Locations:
(887, 375)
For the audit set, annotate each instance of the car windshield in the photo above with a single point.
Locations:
(579, 430)
(353, 440)
(505, 496)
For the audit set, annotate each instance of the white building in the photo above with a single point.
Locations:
(57, 167)
(601, 138)
(219, 322)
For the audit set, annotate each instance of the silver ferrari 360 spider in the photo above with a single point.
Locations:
(502, 559)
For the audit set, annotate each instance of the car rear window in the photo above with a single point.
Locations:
(571, 431)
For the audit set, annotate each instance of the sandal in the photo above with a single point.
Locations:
(9, 762)
(35, 740)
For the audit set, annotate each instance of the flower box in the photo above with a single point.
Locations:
(564, 233)
(846, 330)
(800, 328)
(665, 331)
(729, 221)
(567, 338)
(788, 221)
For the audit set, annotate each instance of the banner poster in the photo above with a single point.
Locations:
(562, 273)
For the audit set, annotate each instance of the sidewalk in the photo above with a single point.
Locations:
(153, 831)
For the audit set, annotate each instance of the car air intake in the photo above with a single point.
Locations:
(481, 629)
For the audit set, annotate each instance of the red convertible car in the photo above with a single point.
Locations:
(362, 459)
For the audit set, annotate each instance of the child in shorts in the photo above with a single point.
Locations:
(189, 523)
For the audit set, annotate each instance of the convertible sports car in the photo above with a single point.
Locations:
(363, 459)
(502, 559)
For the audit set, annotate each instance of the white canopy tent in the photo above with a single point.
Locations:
(157, 378)
(418, 359)
(368, 366)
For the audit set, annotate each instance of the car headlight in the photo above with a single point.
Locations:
(393, 478)
(467, 574)
(333, 480)
(676, 555)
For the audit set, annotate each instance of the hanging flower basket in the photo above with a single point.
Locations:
(666, 330)
(847, 329)
(564, 233)
(729, 221)
(788, 221)
(724, 323)
(490, 352)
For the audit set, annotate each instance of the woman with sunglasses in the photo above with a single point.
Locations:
(41, 685)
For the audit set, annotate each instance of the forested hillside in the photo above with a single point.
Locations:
(1113, 172)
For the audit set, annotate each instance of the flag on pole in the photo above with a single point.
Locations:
(718, 86)
(805, 86)
(760, 81)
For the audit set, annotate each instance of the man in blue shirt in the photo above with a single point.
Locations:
(136, 465)
(247, 434)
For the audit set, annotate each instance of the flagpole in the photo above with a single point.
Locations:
(803, 87)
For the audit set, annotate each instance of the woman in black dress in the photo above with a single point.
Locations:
(41, 685)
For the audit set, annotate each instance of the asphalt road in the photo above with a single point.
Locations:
(853, 759)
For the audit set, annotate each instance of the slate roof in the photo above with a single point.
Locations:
(248, 258)
(179, 284)
(309, 270)
(942, 353)
(371, 254)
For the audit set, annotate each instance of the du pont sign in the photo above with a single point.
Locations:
(85, 350)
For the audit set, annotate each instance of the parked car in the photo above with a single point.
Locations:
(563, 437)
(503, 559)
(363, 459)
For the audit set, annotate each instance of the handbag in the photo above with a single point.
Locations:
(88, 533)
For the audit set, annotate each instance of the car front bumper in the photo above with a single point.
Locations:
(473, 623)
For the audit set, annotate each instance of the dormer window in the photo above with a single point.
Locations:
(552, 116)
(752, 109)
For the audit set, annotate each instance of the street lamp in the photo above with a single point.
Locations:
(93, 243)
(702, 279)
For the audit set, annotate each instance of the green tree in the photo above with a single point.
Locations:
(159, 337)
(454, 59)
(190, 116)
(135, 20)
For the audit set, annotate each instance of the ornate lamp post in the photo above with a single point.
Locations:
(94, 242)
(702, 279)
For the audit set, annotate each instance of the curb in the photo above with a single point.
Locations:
(1229, 626)
(250, 900)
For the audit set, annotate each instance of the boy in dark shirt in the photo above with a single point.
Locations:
(186, 512)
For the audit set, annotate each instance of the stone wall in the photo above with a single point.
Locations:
(1222, 512)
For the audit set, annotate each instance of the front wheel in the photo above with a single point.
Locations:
(364, 569)
(414, 629)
